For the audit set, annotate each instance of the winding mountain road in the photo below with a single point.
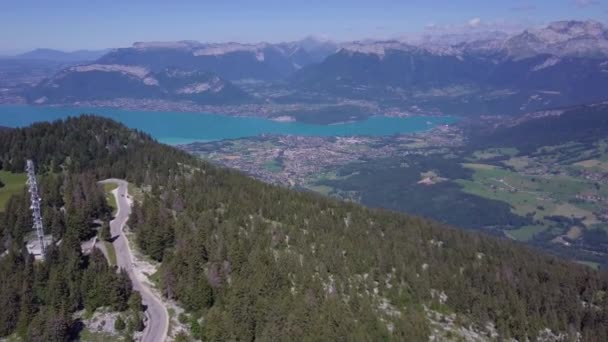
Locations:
(158, 318)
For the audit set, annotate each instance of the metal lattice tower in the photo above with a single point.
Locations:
(35, 199)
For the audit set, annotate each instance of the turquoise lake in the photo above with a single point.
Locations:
(181, 128)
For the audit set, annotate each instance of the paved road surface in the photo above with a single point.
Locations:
(158, 318)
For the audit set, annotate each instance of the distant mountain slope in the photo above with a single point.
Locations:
(62, 56)
(390, 64)
(561, 38)
(416, 76)
(17, 72)
(563, 64)
(583, 124)
(135, 72)
(258, 262)
(111, 81)
(231, 61)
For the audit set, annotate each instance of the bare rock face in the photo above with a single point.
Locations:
(562, 38)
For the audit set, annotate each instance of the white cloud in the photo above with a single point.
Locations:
(475, 22)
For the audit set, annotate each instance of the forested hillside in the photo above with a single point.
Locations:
(39, 298)
(256, 261)
(583, 124)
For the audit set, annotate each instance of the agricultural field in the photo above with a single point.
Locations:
(563, 189)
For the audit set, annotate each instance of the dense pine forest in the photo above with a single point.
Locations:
(39, 298)
(251, 261)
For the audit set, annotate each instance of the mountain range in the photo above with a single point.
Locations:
(62, 56)
(232, 61)
(564, 63)
(113, 81)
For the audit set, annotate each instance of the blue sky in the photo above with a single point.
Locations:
(82, 24)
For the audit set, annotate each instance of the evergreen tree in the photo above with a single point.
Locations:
(105, 233)
(135, 302)
(119, 324)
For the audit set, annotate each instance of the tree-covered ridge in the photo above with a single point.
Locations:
(256, 261)
(583, 124)
(39, 298)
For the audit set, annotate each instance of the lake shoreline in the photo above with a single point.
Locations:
(277, 112)
(177, 128)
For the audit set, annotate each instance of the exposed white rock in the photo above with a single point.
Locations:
(377, 48)
(444, 327)
(225, 48)
(562, 38)
(546, 335)
(441, 296)
(41, 100)
(132, 70)
(150, 81)
(195, 88)
(184, 44)
(551, 61)
(284, 118)
(259, 55)
(436, 243)
(214, 85)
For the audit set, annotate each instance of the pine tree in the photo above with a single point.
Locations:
(121, 291)
(135, 302)
(137, 322)
(119, 324)
(105, 233)
(77, 224)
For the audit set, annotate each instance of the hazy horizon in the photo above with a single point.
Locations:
(71, 25)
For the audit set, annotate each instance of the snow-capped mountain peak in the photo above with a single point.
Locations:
(562, 38)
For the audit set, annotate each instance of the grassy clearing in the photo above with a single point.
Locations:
(111, 252)
(525, 233)
(518, 163)
(495, 152)
(594, 265)
(528, 194)
(13, 184)
(593, 164)
(479, 166)
(588, 163)
(108, 188)
(521, 202)
(322, 189)
(569, 210)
